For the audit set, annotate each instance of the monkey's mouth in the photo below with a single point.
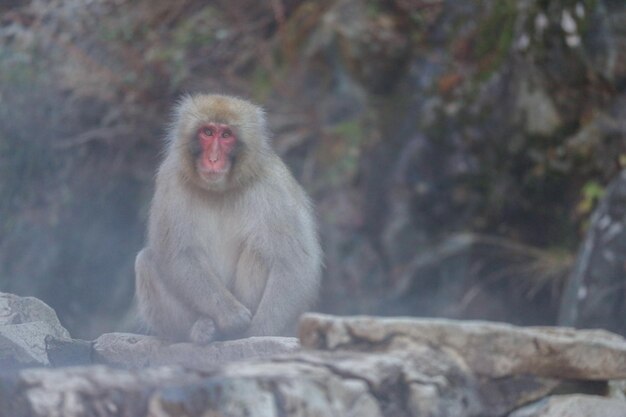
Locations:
(213, 171)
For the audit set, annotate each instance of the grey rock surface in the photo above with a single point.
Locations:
(594, 295)
(300, 384)
(85, 391)
(24, 344)
(575, 406)
(139, 351)
(490, 349)
(16, 310)
(419, 380)
(31, 335)
(26, 324)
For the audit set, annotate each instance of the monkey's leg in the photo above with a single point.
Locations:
(250, 278)
(287, 294)
(203, 331)
(202, 290)
(164, 313)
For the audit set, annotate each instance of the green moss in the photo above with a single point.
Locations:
(591, 193)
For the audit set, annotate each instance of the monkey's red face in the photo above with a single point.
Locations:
(217, 148)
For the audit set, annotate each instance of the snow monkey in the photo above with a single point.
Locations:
(232, 247)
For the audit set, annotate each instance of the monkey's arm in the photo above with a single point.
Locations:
(285, 298)
(291, 289)
(198, 285)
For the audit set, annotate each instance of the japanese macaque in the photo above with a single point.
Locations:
(232, 248)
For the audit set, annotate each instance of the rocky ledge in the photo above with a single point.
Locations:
(347, 366)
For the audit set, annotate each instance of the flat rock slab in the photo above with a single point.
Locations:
(31, 335)
(575, 406)
(302, 384)
(139, 351)
(489, 349)
(430, 382)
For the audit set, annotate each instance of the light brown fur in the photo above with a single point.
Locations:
(236, 257)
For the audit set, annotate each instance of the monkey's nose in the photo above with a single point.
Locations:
(214, 154)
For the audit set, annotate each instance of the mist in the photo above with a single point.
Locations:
(455, 151)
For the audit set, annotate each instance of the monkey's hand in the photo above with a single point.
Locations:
(234, 318)
(203, 331)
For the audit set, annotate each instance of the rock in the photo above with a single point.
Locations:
(31, 335)
(351, 366)
(490, 349)
(370, 367)
(501, 395)
(617, 389)
(24, 344)
(85, 391)
(429, 382)
(574, 405)
(17, 310)
(26, 324)
(590, 298)
(65, 352)
(540, 113)
(269, 390)
(423, 380)
(138, 351)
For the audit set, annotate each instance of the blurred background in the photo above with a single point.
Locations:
(455, 150)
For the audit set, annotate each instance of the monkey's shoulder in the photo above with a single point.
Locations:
(281, 190)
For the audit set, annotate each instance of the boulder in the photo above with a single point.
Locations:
(490, 349)
(26, 326)
(593, 295)
(16, 310)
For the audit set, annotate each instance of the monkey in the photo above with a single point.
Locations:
(232, 247)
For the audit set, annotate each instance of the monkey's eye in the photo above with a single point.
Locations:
(227, 134)
(207, 131)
